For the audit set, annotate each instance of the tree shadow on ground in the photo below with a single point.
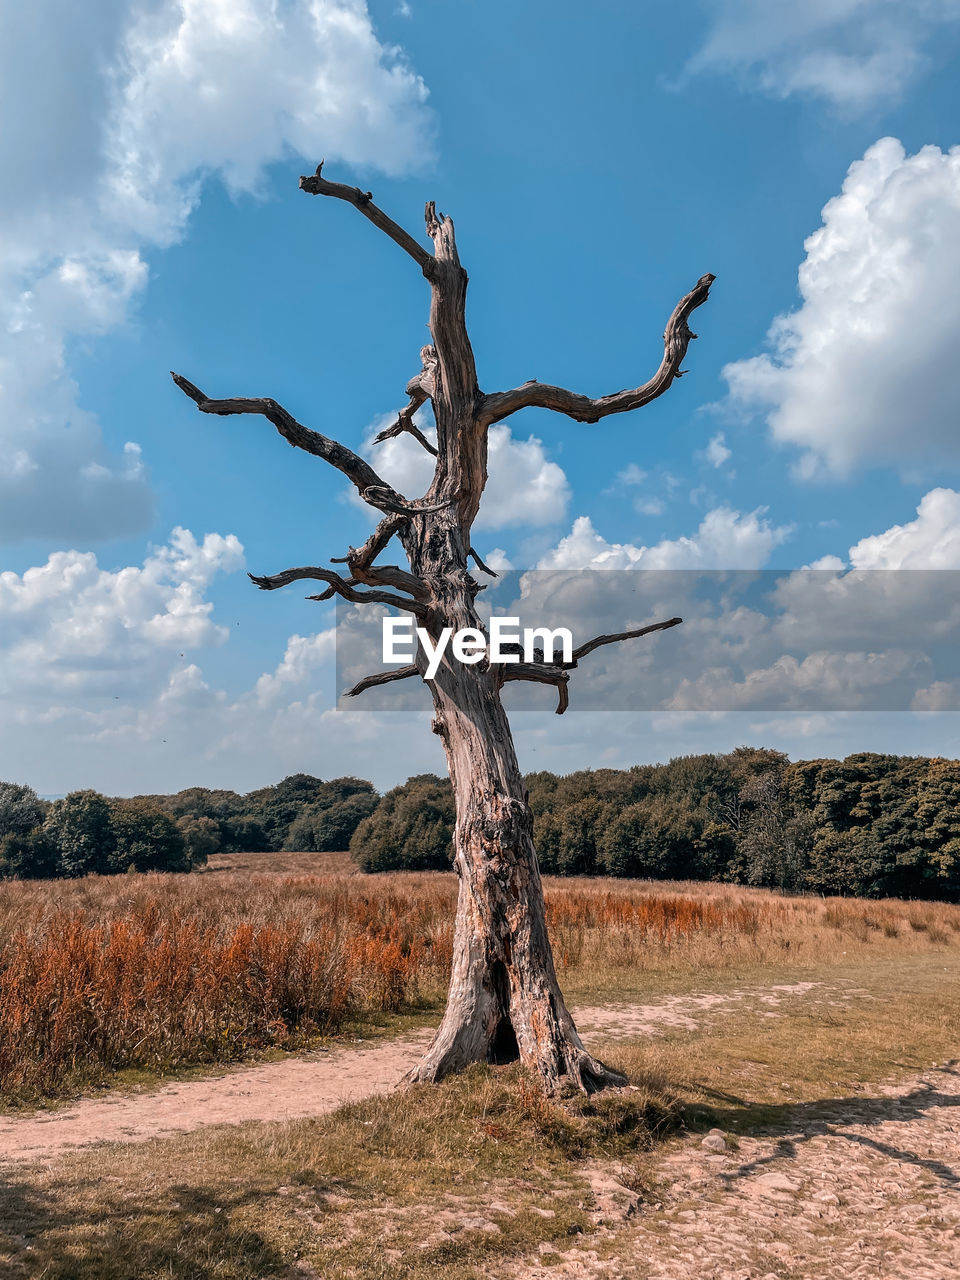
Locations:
(94, 1228)
(794, 1124)
(88, 1232)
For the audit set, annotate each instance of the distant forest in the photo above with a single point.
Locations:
(86, 832)
(871, 825)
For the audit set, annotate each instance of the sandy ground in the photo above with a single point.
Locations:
(315, 1083)
(303, 1086)
(841, 1189)
(844, 1189)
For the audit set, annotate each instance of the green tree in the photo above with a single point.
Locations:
(410, 829)
(201, 838)
(21, 809)
(80, 828)
(243, 834)
(275, 808)
(145, 838)
(657, 838)
(938, 821)
(862, 833)
(209, 820)
(765, 850)
(28, 855)
(581, 828)
(327, 829)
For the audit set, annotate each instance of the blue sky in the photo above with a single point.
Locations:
(596, 162)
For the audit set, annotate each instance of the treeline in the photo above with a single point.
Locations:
(82, 833)
(302, 813)
(870, 825)
(87, 832)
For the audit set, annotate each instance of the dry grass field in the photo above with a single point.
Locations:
(161, 972)
(729, 1008)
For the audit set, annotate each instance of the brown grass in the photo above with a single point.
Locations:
(158, 972)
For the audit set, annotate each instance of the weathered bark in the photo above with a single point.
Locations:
(505, 1001)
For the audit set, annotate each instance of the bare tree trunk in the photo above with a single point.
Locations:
(504, 1002)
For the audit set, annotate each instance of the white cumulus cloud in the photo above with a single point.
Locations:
(121, 110)
(71, 629)
(717, 451)
(932, 541)
(524, 486)
(303, 656)
(853, 54)
(725, 539)
(863, 372)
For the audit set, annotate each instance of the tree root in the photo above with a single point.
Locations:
(562, 1068)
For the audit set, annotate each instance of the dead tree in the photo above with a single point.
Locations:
(504, 1001)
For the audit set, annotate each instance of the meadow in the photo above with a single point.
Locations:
(787, 1021)
(159, 973)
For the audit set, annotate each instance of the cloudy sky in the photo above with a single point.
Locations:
(597, 162)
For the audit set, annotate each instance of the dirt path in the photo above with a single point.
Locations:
(841, 1189)
(319, 1082)
(303, 1086)
(692, 1012)
(867, 1186)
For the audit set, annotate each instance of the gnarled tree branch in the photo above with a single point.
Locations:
(480, 565)
(366, 554)
(381, 677)
(317, 185)
(370, 486)
(419, 389)
(557, 672)
(582, 650)
(540, 673)
(405, 423)
(360, 561)
(388, 499)
(676, 339)
(355, 468)
(330, 591)
(342, 586)
(426, 380)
